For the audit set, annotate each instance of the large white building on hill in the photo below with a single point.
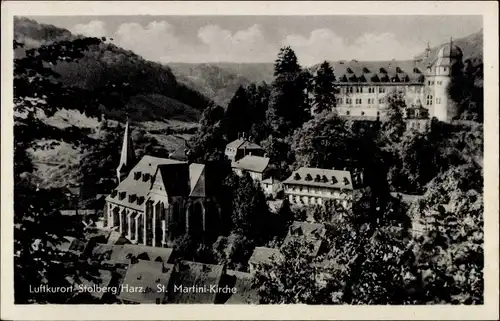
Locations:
(364, 86)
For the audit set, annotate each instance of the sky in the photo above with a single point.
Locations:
(205, 39)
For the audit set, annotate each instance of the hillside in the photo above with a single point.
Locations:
(472, 47)
(108, 63)
(155, 95)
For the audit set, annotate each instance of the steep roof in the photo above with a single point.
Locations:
(138, 187)
(127, 156)
(100, 277)
(175, 178)
(406, 71)
(121, 254)
(307, 176)
(252, 163)
(198, 275)
(146, 274)
(264, 255)
(312, 232)
(245, 293)
(197, 180)
(242, 143)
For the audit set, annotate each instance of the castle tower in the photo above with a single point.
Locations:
(438, 81)
(127, 158)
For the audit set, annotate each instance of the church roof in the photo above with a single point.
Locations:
(127, 157)
(252, 163)
(147, 275)
(139, 187)
(320, 177)
(197, 180)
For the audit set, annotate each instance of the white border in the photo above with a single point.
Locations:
(489, 11)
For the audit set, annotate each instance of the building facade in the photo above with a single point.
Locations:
(365, 86)
(242, 147)
(161, 199)
(316, 186)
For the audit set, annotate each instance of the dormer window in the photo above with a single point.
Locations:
(346, 181)
(416, 71)
(349, 70)
(122, 195)
(325, 179)
(309, 177)
(137, 175)
(140, 200)
(365, 70)
(131, 198)
(398, 70)
(317, 178)
(334, 180)
(114, 192)
(296, 177)
(382, 71)
(145, 177)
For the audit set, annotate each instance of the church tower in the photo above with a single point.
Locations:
(127, 158)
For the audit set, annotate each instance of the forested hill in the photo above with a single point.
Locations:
(472, 47)
(160, 95)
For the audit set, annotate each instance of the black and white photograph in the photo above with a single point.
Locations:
(333, 159)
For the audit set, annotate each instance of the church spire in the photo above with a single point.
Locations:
(127, 157)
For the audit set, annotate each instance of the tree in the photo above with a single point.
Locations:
(250, 213)
(292, 277)
(450, 252)
(324, 88)
(395, 125)
(288, 107)
(209, 143)
(239, 114)
(36, 89)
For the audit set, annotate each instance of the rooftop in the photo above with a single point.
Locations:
(100, 277)
(146, 274)
(252, 163)
(264, 255)
(197, 275)
(147, 167)
(121, 254)
(242, 143)
(329, 178)
(245, 294)
(313, 232)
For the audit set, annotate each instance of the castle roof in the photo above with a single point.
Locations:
(370, 72)
(329, 178)
(252, 163)
(147, 275)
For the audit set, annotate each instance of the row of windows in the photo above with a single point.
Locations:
(439, 83)
(359, 101)
(429, 100)
(381, 90)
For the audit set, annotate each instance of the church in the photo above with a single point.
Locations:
(364, 86)
(160, 199)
